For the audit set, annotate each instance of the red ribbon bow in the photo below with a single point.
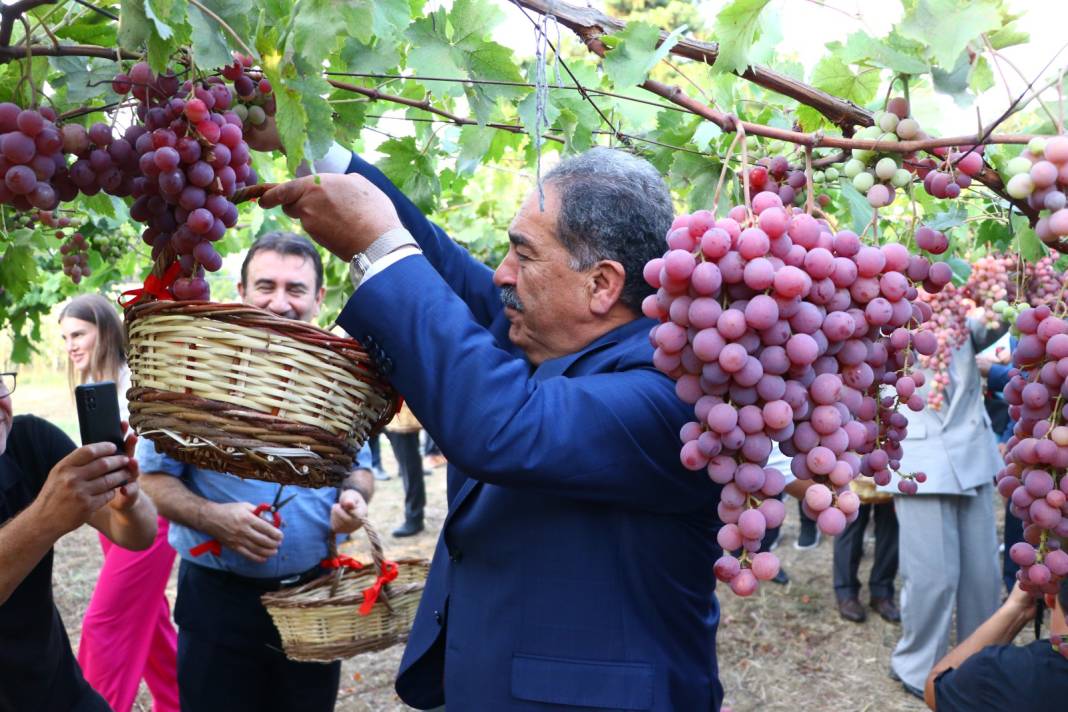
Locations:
(370, 595)
(154, 286)
(341, 561)
(213, 546)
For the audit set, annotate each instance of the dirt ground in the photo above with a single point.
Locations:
(783, 649)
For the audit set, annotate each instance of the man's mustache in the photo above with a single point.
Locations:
(510, 298)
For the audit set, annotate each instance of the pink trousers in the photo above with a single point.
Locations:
(127, 633)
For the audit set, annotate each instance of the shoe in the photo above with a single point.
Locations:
(379, 473)
(408, 529)
(781, 578)
(914, 691)
(809, 538)
(886, 609)
(432, 461)
(851, 610)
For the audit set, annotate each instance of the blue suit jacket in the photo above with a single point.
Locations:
(574, 569)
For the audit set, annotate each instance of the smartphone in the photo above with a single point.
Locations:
(98, 414)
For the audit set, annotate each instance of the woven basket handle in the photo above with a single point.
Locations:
(377, 554)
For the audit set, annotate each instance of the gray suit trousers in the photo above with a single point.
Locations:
(949, 563)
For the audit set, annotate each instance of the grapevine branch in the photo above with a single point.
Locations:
(40, 50)
(590, 25)
(12, 13)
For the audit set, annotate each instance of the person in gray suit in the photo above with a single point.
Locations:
(947, 536)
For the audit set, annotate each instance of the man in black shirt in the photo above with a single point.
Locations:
(47, 489)
(986, 673)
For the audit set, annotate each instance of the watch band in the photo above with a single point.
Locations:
(386, 243)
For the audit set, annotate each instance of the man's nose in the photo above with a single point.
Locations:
(504, 275)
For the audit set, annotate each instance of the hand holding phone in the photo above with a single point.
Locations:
(98, 414)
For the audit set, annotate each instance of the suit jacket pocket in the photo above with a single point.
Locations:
(583, 683)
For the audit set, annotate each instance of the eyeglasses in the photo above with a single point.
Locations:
(7, 383)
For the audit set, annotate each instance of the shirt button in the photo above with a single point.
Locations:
(437, 616)
(455, 556)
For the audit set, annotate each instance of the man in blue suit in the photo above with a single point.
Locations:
(574, 569)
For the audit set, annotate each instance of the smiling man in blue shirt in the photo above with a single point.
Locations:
(229, 652)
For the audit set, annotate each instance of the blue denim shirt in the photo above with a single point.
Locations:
(305, 519)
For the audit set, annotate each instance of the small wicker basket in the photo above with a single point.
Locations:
(237, 389)
(332, 618)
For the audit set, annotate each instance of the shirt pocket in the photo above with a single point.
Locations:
(583, 683)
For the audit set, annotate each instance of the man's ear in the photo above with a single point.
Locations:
(606, 281)
(241, 291)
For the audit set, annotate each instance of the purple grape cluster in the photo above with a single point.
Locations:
(75, 257)
(776, 328)
(255, 96)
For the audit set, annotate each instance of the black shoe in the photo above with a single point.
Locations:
(886, 609)
(408, 529)
(851, 610)
(781, 578)
(809, 538)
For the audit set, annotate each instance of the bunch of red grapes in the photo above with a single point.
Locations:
(948, 177)
(778, 329)
(33, 169)
(75, 256)
(190, 159)
(1035, 478)
(1040, 175)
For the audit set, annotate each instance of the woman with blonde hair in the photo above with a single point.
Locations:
(127, 634)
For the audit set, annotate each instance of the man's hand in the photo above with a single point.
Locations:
(343, 213)
(80, 484)
(237, 528)
(126, 496)
(264, 137)
(346, 513)
(1020, 602)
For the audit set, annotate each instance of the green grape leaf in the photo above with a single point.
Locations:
(810, 118)
(1031, 248)
(961, 270)
(860, 47)
(319, 125)
(18, 270)
(381, 57)
(475, 143)
(208, 43)
(735, 29)
(526, 111)
(635, 53)
(860, 209)
(1007, 36)
(993, 233)
(471, 20)
(947, 219)
(705, 134)
(491, 61)
(432, 54)
(982, 77)
(834, 76)
(134, 26)
(947, 26)
(91, 29)
(411, 170)
(955, 81)
(84, 78)
(161, 13)
(291, 119)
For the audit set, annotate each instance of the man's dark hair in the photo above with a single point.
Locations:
(284, 243)
(613, 206)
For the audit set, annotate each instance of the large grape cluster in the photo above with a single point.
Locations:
(1044, 283)
(33, 169)
(190, 159)
(1040, 175)
(777, 329)
(1034, 478)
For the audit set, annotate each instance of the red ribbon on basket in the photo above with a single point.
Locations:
(154, 286)
(211, 546)
(341, 561)
(370, 595)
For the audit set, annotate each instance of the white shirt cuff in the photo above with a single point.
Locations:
(393, 257)
(336, 160)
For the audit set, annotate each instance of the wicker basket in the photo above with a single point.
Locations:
(237, 389)
(329, 618)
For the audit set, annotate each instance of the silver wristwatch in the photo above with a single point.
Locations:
(385, 244)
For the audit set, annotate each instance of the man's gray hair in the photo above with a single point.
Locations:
(613, 206)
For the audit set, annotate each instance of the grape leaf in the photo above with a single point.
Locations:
(704, 135)
(859, 207)
(319, 126)
(982, 77)
(947, 26)
(810, 118)
(471, 20)
(18, 270)
(489, 60)
(134, 25)
(208, 44)
(955, 81)
(381, 57)
(635, 53)
(526, 110)
(91, 29)
(432, 54)
(961, 270)
(84, 79)
(948, 219)
(735, 29)
(834, 76)
(160, 13)
(411, 170)
(1031, 248)
(1007, 36)
(994, 233)
(861, 47)
(475, 142)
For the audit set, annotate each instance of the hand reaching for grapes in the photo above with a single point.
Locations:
(264, 137)
(343, 213)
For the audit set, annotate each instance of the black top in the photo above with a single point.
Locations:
(37, 668)
(1006, 677)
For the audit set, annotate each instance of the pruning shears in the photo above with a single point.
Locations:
(262, 510)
